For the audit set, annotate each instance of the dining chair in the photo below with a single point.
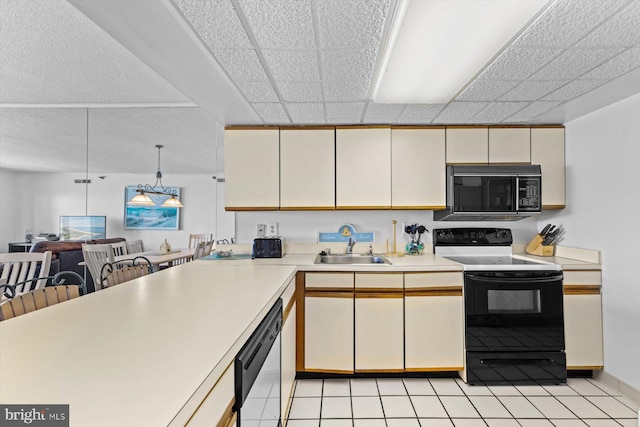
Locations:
(95, 256)
(120, 248)
(37, 299)
(194, 239)
(20, 270)
(115, 273)
(203, 249)
(135, 246)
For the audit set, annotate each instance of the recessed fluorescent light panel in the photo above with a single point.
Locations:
(435, 47)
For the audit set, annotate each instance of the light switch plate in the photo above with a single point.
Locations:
(261, 230)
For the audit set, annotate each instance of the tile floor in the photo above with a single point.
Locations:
(449, 402)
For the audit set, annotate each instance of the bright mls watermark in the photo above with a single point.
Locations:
(34, 415)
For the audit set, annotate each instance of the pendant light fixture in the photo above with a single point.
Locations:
(141, 199)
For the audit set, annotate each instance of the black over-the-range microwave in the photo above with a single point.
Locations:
(492, 193)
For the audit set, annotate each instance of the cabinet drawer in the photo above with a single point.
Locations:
(583, 277)
(379, 281)
(435, 279)
(329, 280)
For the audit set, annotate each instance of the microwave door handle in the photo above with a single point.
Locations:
(515, 280)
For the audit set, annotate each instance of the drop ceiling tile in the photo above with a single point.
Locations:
(623, 29)
(420, 113)
(533, 110)
(351, 111)
(460, 112)
(271, 112)
(351, 23)
(532, 90)
(497, 112)
(293, 65)
(566, 22)
(518, 63)
(486, 90)
(280, 24)
(383, 113)
(241, 64)
(305, 110)
(346, 91)
(573, 63)
(51, 53)
(574, 90)
(617, 66)
(348, 64)
(300, 91)
(216, 22)
(258, 91)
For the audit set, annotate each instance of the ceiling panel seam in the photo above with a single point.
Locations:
(258, 51)
(316, 37)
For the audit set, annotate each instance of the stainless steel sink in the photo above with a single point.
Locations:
(351, 259)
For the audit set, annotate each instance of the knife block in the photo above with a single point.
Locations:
(535, 247)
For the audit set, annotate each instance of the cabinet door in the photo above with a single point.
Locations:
(379, 332)
(434, 333)
(418, 169)
(583, 331)
(307, 169)
(363, 168)
(288, 373)
(467, 145)
(547, 150)
(509, 145)
(328, 334)
(252, 169)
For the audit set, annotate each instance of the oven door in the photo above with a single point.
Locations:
(514, 311)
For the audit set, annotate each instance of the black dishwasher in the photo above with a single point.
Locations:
(257, 374)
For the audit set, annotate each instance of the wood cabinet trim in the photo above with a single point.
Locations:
(307, 208)
(228, 413)
(553, 207)
(380, 371)
(328, 127)
(379, 293)
(300, 326)
(581, 289)
(327, 371)
(436, 291)
(585, 368)
(400, 127)
(345, 127)
(228, 418)
(435, 369)
(252, 128)
(467, 127)
(329, 293)
(362, 208)
(416, 208)
(289, 306)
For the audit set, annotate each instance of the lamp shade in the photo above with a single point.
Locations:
(172, 202)
(141, 199)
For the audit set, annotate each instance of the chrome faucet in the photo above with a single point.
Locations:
(350, 245)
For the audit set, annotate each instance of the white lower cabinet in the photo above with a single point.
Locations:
(288, 347)
(216, 407)
(434, 333)
(379, 332)
(328, 335)
(583, 320)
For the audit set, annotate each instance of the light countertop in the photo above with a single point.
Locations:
(147, 352)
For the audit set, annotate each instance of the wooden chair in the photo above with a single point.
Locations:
(95, 256)
(19, 269)
(120, 248)
(43, 297)
(203, 249)
(135, 246)
(194, 239)
(115, 273)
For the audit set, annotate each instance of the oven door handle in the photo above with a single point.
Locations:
(515, 280)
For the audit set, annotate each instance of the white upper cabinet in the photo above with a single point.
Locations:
(467, 145)
(307, 169)
(251, 168)
(418, 168)
(509, 145)
(363, 168)
(547, 150)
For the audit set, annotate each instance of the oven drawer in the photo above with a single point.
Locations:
(517, 368)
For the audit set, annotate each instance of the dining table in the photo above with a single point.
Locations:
(156, 258)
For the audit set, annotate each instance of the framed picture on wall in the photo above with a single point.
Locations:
(150, 217)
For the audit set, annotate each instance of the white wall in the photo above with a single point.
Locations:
(43, 197)
(603, 212)
(304, 226)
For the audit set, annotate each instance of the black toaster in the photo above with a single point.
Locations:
(268, 247)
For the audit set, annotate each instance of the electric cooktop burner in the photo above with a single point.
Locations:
(483, 249)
